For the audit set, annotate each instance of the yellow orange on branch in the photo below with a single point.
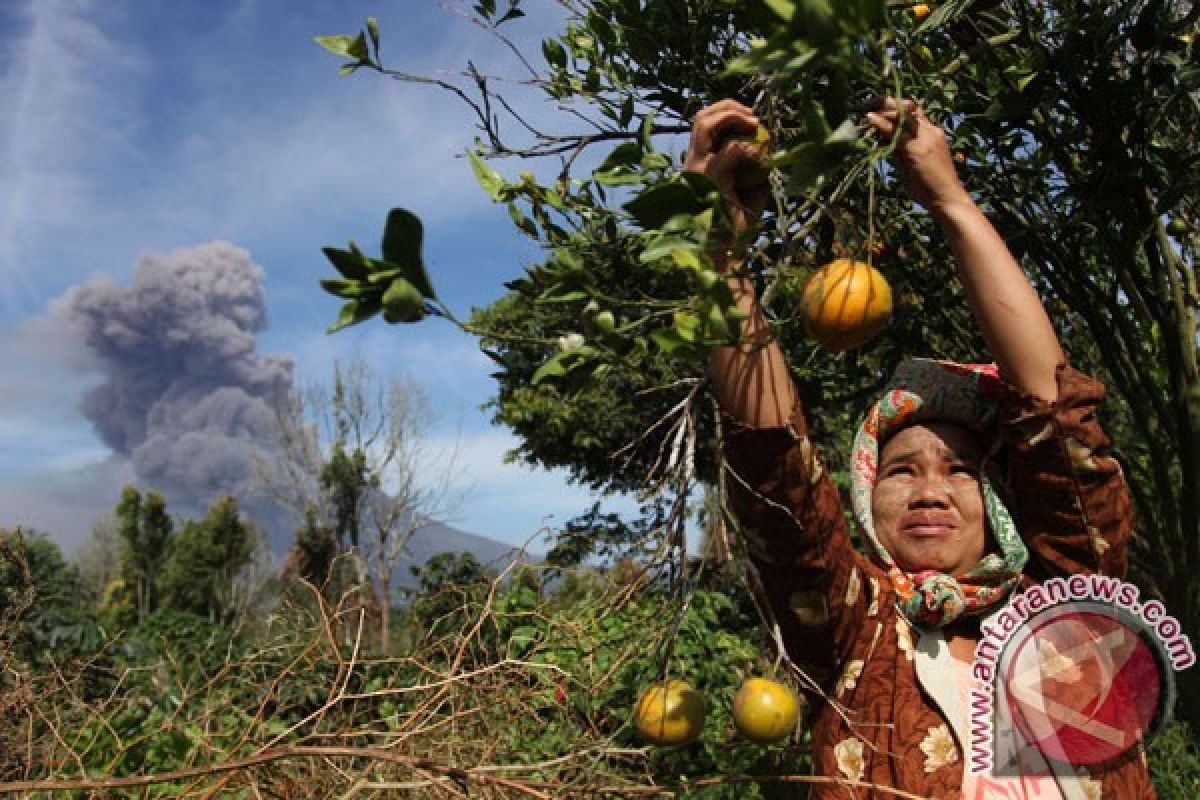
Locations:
(846, 303)
(765, 711)
(669, 713)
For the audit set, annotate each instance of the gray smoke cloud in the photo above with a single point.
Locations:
(185, 396)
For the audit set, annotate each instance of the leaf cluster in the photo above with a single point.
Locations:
(397, 284)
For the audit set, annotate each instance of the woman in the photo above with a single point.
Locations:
(889, 640)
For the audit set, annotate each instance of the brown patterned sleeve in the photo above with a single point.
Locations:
(1071, 501)
(791, 518)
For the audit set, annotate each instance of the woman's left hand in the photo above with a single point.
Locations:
(1008, 311)
(923, 154)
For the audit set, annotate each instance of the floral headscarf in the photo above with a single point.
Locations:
(924, 390)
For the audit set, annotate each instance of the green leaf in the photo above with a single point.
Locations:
(680, 223)
(511, 14)
(645, 135)
(402, 239)
(658, 203)
(602, 28)
(820, 23)
(570, 261)
(623, 155)
(384, 272)
(942, 14)
(562, 293)
(716, 325)
(655, 161)
(767, 55)
(554, 53)
(555, 200)
(686, 257)
(358, 48)
(687, 325)
(626, 116)
(561, 363)
(489, 180)
(664, 247)
(1023, 83)
(618, 176)
(671, 343)
(667, 340)
(701, 185)
(347, 288)
(784, 9)
(601, 372)
(339, 45)
(523, 223)
(553, 368)
(373, 32)
(355, 312)
(521, 640)
(806, 162)
(352, 264)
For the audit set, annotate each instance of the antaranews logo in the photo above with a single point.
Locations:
(1073, 672)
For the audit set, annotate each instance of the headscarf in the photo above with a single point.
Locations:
(923, 390)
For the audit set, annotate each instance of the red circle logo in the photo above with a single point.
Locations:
(1083, 686)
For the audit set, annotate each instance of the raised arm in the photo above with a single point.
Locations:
(751, 381)
(1008, 311)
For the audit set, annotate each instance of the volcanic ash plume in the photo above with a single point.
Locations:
(185, 396)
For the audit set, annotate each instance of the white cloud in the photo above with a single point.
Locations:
(45, 374)
(65, 504)
(271, 162)
(29, 444)
(55, 103)
(512, 502)
(445, 364)
(281, 171)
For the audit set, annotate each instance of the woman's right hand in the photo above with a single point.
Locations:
(722, 148)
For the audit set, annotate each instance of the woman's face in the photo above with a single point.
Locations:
(927, 503)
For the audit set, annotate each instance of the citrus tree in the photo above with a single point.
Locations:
(1074, 123)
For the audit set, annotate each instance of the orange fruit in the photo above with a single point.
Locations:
(920, 11)
(846, 303)
(765, 711)
(670, 713)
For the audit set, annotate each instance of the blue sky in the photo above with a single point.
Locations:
(140, 126)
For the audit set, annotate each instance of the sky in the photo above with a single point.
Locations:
(169, 172)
